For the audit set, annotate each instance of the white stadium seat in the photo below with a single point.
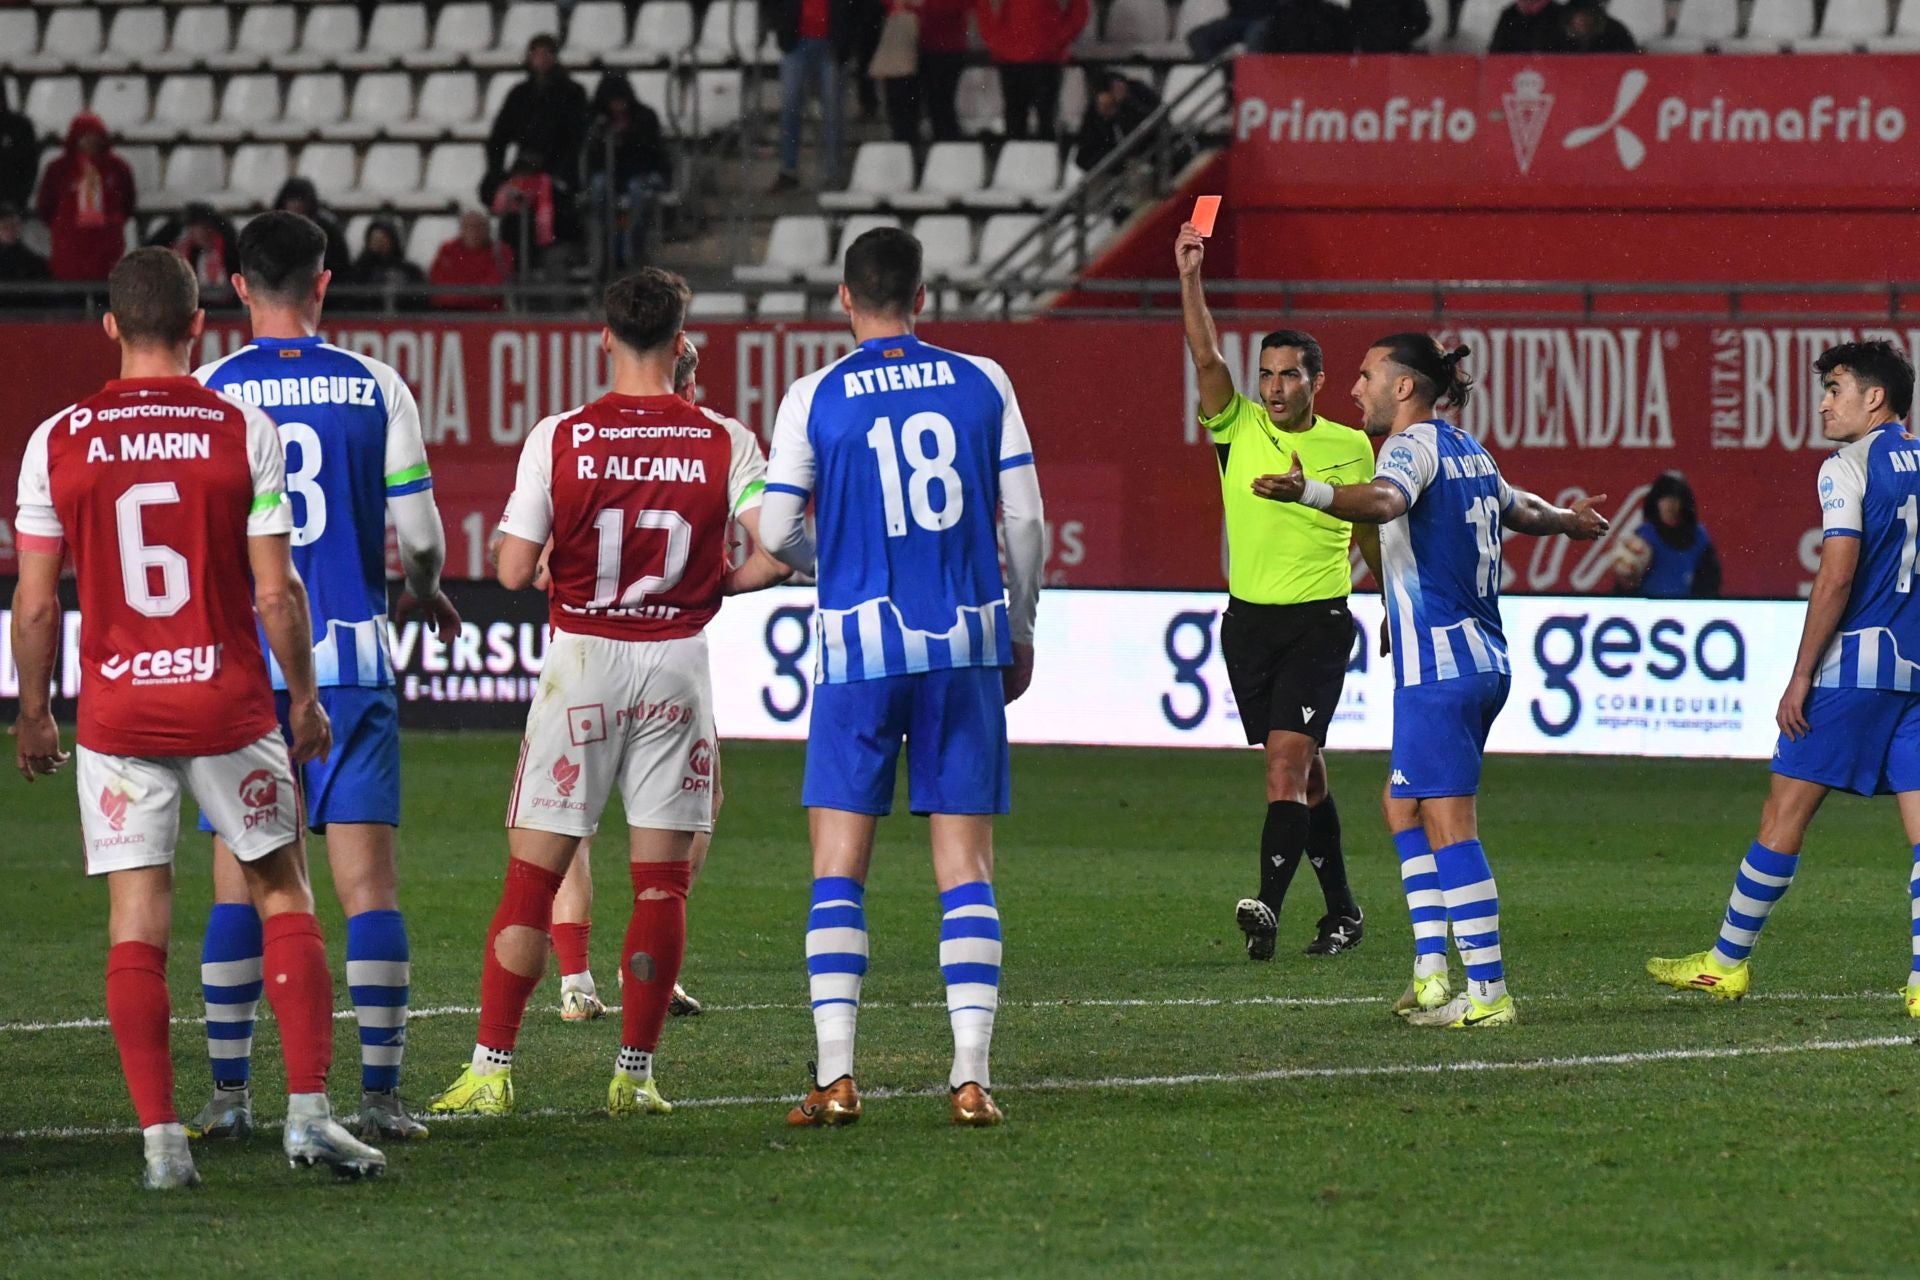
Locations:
(663, 31)
(428, 233)
(797, 243)
(449, 100)
(52, 102)
(524, 20)
(453, 173)
(1906, 31)
(183, 108)
(880, 169)
(1197, 13)
(729, 33)
(1773, 25)
(1026, 175)
(829, 272)
(711, 304)
(716, 101)
(1135, 26)
(954, 170)
(267, 34)
(1848, 25)
(72, 39)
(330, 165)
(598, 30)
(1002, 232)
(396, 31)
(1646, 19)
(122, 101)
(133, 39)
(248, 103)
(946, 243)
(783, 304)
(331, 33)
(381, 100)
(1182, 78)
(192, 172)
(1703, 24)
(201, 34)
(315, 103)
(389, 175)
(1473, 31)
(254, 177)
(356, 232)
(149, 173)
(463, 30)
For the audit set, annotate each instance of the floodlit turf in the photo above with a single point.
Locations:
(1304, 1139)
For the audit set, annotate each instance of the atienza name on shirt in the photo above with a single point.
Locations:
(899, 377)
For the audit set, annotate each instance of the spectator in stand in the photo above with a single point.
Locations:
(206, 241)
(543, 119)
(528, 206)
(1530, 26)
(815, 38)
(86, 198)
(1389, 26)
(1245, 24)
(299, 195)
(19, 154)
(934, 91)
(869, 17)
(628, 161)
(1029, 41)
(1590, 28)
(18, 263)
(472, 258)
(1118, 107)
(383, 266)
(1309, 26)
(1668, 556)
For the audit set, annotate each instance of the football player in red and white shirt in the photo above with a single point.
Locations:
(171, 561)
(636, 492)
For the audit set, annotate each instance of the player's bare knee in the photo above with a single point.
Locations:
(522, 949)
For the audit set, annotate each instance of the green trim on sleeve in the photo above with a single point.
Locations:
(265, 502)
(753, 490)
(408, 476)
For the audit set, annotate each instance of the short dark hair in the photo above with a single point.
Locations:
(646, 309)
(1875, 364)
(883, 270)
(282, 254)
(686, 366)
(1436, 372)
(153, 296)
(1310, 354)
(544, 41)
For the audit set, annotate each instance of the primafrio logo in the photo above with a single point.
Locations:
(1626, 143)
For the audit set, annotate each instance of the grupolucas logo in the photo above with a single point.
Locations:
(114, 806)
(565, 774)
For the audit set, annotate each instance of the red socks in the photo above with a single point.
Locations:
(299, 986)
(570, 945)
(526, 900)
(138, 1009)
(656, 943)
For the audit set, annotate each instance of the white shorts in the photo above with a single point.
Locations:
(639, 712)
(130, 806)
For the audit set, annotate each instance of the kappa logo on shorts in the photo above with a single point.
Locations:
(564, 774)
(113, 806)
(700, 768)
(587, 724)
(260, 792)
(1400, 779)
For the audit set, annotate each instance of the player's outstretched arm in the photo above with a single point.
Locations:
(1832, 586)
(36, 631)
(760, 569)
(423, 554)
(1531, 513)
(1375, 502)
(280, 598)
(1203, 340)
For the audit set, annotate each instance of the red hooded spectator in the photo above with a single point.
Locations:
(473, 257)
(86, 198)
(1029, 40)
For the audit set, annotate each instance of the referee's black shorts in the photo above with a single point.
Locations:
(1287, 664)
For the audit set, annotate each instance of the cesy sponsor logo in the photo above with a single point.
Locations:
(189, 664)
(1638, 675)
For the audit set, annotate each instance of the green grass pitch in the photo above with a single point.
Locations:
(1173, 1109)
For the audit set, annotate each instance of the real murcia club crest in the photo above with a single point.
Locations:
(1528, 105)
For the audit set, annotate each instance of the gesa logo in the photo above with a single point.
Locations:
(1619, 651)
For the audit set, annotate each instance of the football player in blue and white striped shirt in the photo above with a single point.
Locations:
(1850, 718)
(1443, 503)
(908, 451)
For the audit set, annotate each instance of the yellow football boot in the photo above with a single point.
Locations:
(1701, 972)
(1425, 993)
(476, 1095)
(629, 1097)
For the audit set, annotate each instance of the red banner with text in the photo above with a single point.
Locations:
(1131, 486)
(1825, 132)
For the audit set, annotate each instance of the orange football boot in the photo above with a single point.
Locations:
(827, 1106)
(974, 1107)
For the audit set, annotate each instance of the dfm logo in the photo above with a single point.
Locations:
(1718, 651)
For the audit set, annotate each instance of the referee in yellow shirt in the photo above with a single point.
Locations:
(1287, 635)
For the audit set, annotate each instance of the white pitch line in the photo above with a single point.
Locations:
(1476, 1066)
(1064, 1002)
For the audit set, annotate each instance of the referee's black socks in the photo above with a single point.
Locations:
(1282, 842)
(1323, 851)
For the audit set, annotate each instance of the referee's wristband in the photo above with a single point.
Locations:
(1317, 494)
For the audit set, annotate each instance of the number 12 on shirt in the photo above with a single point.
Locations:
(925, 470)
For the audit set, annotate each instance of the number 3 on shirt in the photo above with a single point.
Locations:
(301, 481)
(926, 470)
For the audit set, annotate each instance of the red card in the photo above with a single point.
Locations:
(1205, 210)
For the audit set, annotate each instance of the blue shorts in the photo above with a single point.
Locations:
(359, 781)
(1440, 734)
(1866, 741)
(954, 723)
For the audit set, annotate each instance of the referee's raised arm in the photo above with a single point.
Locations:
(1215, 379)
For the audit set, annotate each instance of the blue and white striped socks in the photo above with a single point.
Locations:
(836, 961)
(970, 962)
(1763, 879)
(378, 977)
(1913, 891)
(230, 971)
(1473, 911)
(1426, 905)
